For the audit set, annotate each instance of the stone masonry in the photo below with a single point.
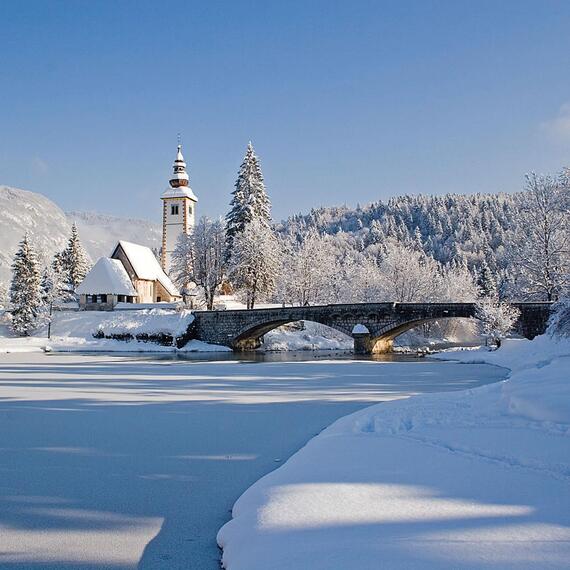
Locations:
(244, 329)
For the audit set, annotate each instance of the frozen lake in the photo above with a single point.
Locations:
(111, 462)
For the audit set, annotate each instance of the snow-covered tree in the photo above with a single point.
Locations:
(50, 291)
(49, 285)
(497, 318)
(486, 281)
(3, 296)
(307, 268)
(365, 283)
(408, 275)
(199, 258)
(255, 261)
(72, 264)
(249, 199)
(559, 324)
(25, 292)
(458, 284)
(540, 254)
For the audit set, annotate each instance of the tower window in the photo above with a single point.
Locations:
(174, 210)
(190, 209)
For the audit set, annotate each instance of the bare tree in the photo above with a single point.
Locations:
(254, 261)
(541, 251)
(308, 269)
(497, 318)
(199, 258)
(409, 275)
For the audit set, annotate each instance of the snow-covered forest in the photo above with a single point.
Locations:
(516, 243)
(409, 249)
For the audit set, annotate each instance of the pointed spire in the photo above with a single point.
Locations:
(180, 176)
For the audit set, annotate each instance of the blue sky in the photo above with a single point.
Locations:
(345, 102)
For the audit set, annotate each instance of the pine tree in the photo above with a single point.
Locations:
(487, 281)
(418, 242)
(25, 293)
(249, 200)
(72, 264)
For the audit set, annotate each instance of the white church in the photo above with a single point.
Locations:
(132, 274)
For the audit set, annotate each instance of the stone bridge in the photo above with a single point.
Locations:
(244, 329)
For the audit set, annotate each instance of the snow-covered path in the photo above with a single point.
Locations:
(108, 462)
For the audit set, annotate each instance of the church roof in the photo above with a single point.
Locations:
(146, 266)
(107, 277)
(180, 192)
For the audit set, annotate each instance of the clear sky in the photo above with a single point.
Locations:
(345, 102)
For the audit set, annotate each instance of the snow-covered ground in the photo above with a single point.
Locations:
(73, 332)
(471, 480)
(116, 463)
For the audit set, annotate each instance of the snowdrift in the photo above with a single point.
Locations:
(472, 479)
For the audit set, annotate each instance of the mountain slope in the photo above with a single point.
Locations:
(21, 211)
(49, 228)
(100, 232)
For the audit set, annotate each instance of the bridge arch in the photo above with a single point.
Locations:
(250, 337)
(383, 341)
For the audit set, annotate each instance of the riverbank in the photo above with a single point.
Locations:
(474, 479)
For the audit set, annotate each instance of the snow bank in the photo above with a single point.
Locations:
(147, 321)
(312, 337)
(535, 365)
(73, 332)
(472, 479)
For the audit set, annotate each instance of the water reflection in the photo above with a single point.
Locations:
(257, 356)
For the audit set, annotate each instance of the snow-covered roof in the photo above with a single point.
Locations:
(146, 266)
(107, 277)
(180, 192)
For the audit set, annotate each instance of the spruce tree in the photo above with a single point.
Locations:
(25, 292)
(72, 264)
(249, 199)
(486, 281)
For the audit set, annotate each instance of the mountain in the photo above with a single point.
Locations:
(100, 232)
(21, 211)
(49, 228)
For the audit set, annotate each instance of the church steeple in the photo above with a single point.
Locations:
(178, 209)
(180, 176)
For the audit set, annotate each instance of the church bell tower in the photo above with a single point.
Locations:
(178, 209)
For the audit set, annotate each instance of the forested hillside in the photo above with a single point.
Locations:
(453, 227)
(517, 245)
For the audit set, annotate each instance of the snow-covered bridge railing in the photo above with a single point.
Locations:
(244, 329)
